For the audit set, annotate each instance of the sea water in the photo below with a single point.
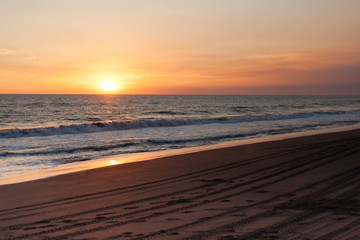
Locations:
(40, 132)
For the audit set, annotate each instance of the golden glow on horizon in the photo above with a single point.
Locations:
(241, 47)
(109, 84)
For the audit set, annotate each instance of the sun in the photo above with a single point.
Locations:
(109, 84)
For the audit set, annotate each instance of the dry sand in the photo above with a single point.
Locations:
(300, 188)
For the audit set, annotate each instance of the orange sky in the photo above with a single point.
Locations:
(180, 47)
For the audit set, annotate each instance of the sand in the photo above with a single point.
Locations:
(300, 188)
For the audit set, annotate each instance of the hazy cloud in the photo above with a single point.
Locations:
(18, 53)
(275, 57)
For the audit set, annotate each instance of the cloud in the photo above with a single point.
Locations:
(306, 60)
(275, 57)
(18, 53)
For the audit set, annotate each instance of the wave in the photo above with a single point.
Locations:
(71, 150)
(240, 109)
(168, 113)
(246, 135)
(159, 122)
(142, 145)
(205, 139)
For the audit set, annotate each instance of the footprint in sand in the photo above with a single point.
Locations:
(30, 228)
(262, 191)
(107, 213)
(178, 201)
(140, 220)
(187, 212)
(194, 193)
(127, 208)
(112, 222)
(229, 237)
(43, 221)
(68, 221)
(240, 215)
(47, 226)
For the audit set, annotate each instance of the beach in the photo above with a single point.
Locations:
(179, 120)
(299, 188)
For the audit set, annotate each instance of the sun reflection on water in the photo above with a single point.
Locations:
(113, 162)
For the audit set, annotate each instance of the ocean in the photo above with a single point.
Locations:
(39, 132)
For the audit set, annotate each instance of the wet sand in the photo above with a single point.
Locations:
(300, 188)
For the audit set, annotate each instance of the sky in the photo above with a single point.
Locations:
(180, 47)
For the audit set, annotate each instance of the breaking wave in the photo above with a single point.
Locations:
(140, 145)
(159, 122)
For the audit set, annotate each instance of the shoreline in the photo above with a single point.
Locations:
(305, 187)
(139, 157)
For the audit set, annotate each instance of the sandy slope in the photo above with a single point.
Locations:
(301, 188)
